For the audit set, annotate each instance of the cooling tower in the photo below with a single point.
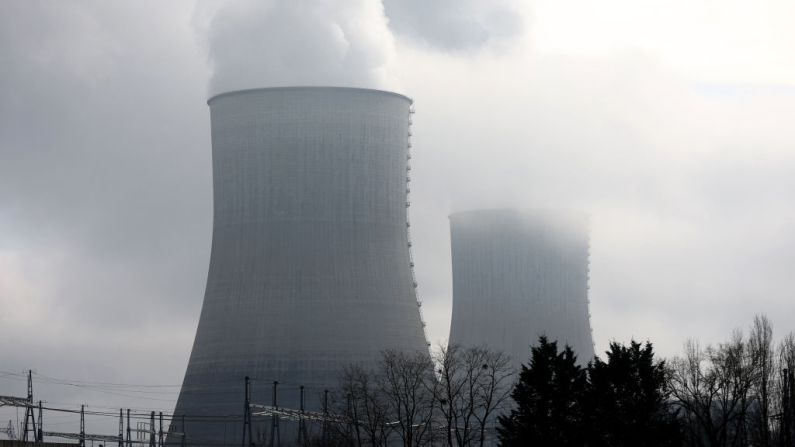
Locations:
(311, 267)
(518, 274)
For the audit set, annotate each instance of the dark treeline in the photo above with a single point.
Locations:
(738, 393)
(733, 394)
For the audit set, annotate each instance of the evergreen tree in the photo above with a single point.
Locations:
(628, 404)
(548, 398)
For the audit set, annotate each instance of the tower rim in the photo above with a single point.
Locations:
(522, 210)
(308, 87)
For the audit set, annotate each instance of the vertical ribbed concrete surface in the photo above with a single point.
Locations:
(310, 267)
(518, 274)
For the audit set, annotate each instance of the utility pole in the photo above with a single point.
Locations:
(325, 419)
(121, 427)
(161, 430)
(152, 429)
(275, 420)
(301, 423)
(129, 437)
(82, 426)
(247, 415)
(185, 433)
(350, 419)
(791, 403)
(787, 409)
(41, 433)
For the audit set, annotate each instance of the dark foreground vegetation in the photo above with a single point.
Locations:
(733, 394)
(619, 402)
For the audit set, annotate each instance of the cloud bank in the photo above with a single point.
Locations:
(106, 188)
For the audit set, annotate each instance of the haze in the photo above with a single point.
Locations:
(670, 123)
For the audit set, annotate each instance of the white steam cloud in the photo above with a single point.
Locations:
(275, 43)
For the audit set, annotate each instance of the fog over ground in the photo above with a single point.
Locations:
(671, 123)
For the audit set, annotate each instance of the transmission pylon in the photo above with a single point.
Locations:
(9, 431)
(29, 417)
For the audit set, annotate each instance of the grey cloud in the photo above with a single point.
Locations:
(454, 25)
(106, 195)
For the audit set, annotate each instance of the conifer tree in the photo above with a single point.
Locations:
(628, 403)
(549, 401)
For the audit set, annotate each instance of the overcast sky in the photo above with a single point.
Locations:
(671, 122)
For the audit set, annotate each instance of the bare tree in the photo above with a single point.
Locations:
(495, 388)
(448, 390)
(787, 351)
(786, 361)
(474, 383)
(693, 392)
(712, 387)
(362, 402)
(761, 346)
(408, 399)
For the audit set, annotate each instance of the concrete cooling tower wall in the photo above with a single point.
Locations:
(310, 268)
(518, 274)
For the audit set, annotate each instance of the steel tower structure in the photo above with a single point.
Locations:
(311, 267)
(518, 274)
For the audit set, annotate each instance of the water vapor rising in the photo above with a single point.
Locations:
(273, 43)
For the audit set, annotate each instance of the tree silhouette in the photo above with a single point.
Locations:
(627, 400)
(549, 401)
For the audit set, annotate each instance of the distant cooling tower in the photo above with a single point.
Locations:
(311, 266)
(518, 274)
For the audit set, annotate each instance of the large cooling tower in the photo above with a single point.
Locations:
(311, 267)
(518, 274)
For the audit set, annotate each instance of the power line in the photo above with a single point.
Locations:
(99, 413)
